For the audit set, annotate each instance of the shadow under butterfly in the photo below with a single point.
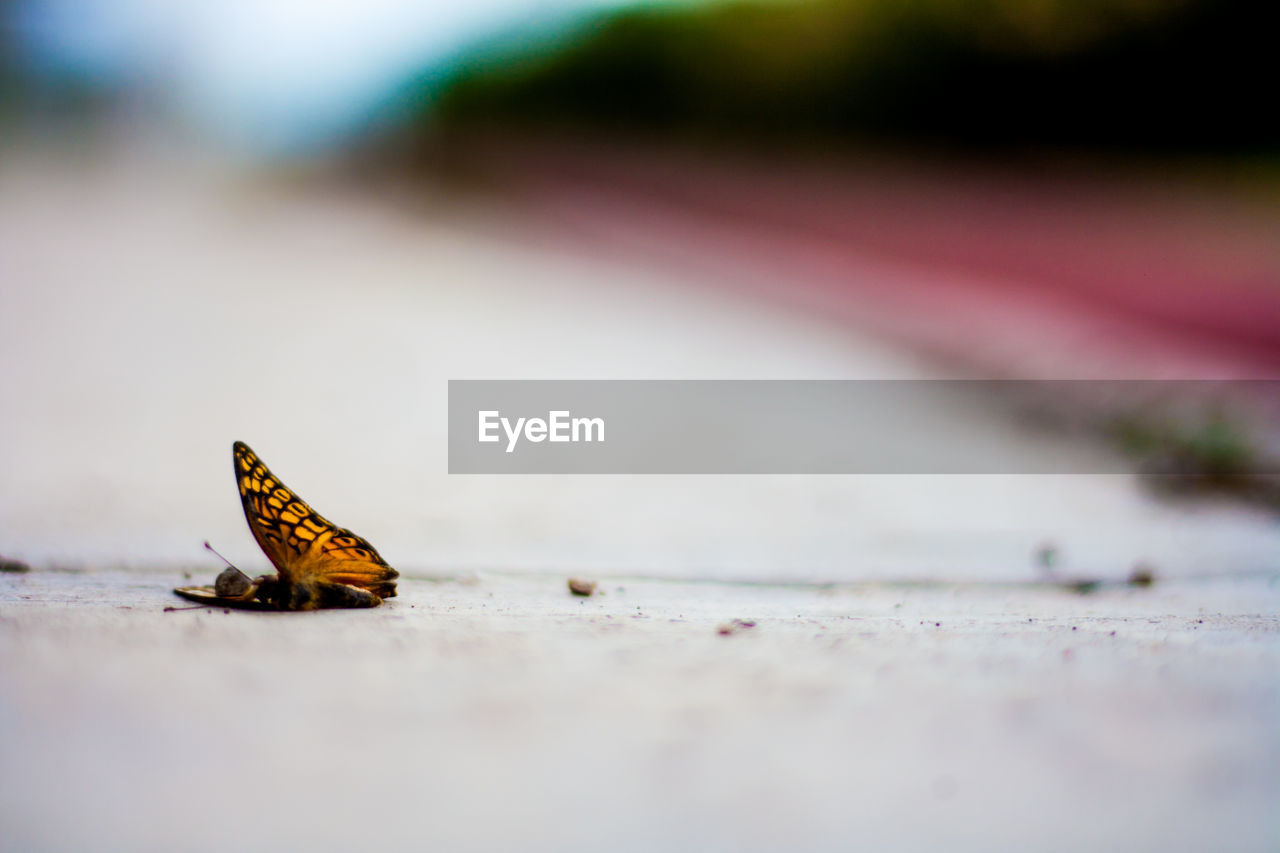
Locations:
(318, 564)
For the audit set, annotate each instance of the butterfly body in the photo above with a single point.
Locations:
(318, 564)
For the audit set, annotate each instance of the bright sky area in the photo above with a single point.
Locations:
(270, 74)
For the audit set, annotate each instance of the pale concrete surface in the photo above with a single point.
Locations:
(153, 312)
(500, 713)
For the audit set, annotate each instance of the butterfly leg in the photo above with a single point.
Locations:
(343, 595)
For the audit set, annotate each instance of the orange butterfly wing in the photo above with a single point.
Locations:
(302, 544)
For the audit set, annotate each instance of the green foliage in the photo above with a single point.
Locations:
(1182, 76)
(1211, 452)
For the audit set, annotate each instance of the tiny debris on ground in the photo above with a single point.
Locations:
(735, 626)
(16, 567)
(1143, 574)
(578, 586)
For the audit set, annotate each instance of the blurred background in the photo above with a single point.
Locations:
(291, 225)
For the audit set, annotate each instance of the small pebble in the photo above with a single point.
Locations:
(1142, 575)
(578, 586)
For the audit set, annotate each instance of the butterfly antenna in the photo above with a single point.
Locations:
(209, 547)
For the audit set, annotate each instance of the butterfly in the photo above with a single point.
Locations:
(318, 564)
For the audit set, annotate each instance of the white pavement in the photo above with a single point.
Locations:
(151, 314)
(501, 713)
